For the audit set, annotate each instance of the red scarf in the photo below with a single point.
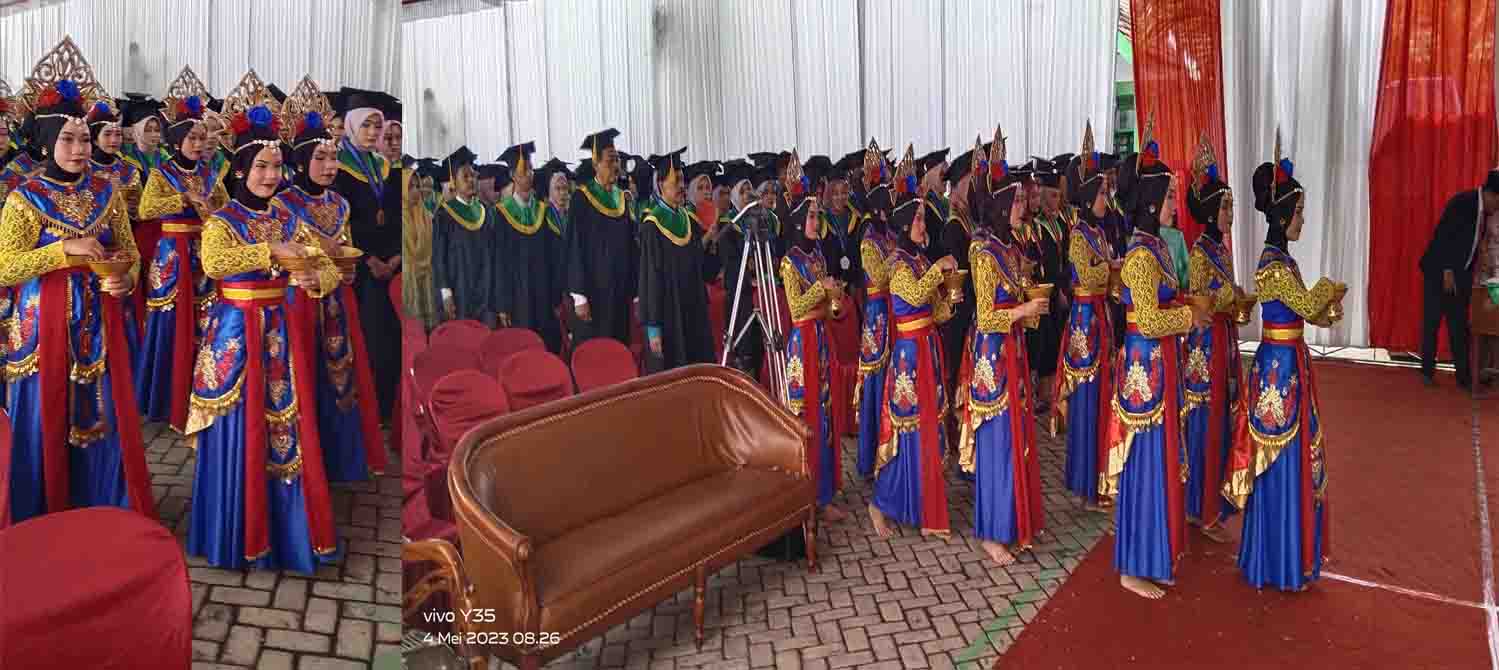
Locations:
(184, 337)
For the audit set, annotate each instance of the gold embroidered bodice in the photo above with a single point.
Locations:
(801, 297)
(1200, 275)
(159, 199)
(1275, 281)
(1092, 269)
(226, 254)
(986, 281)
(21, 227)
(874, 266)
(918, 292)
(1142, 274)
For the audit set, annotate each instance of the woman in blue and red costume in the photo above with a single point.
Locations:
(1145, 471)
(77, 436)
(1278, 472)
(1085, 360)
(260, 495)
(810, 292)
(348, 414)
(998, 438)
(104, 127)
(1213, 373)
(17, 162)
(874, 347)
(909, 486)
(179, 194)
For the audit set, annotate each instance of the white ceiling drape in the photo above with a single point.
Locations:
(726, 77)
(141, 45)
(1313, 69)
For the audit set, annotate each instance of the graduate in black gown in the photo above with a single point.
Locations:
(465, 239)
(601, 248)
(526, 295)
(842, 224)
(956, 234)
(373, 188)
(673, 297)
(930, 170)
(1048, 237)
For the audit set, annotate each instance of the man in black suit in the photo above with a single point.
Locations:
(1448, 270)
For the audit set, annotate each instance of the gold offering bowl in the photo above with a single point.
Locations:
(113, 264)
(1335, 309)
(1203, 303)
(348, 258)
(953, 282)
(1244, 308)
(303, 263)
(835, 301)
(1037, 292)
(1116, 281)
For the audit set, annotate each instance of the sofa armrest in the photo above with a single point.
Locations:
(498, 560)
(767, 435)
(448, 577)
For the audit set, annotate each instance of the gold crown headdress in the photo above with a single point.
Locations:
(1204, 159)
(1086, 153)
(186, 85)
(64, 62)
(305, 98)
(248, 93)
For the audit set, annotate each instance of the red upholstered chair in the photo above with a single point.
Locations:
(603, 361)
(500, 344)
(398, 436)
(67, 606)
(4, 470)
(459, 401)
(534, 377)
(637, 334)
(466, 333)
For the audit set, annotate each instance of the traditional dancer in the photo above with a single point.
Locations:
(874, 348)
(1213, 373)
(1145, 468)
(260, 495)
(347, 409)
(1085, 360)
(909, 486)
(998, 440)
(1278, 472)
(179, 194)
(77, 436)
(810, 295)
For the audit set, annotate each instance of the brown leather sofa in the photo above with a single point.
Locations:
(577, 515)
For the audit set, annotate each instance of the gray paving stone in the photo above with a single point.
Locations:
(243, 645)
(355, 638)
(298, 641)
(322, 616)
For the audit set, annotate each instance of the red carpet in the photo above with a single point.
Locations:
(1404, 515)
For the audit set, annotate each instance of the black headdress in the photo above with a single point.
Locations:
(1276, 194)
(1208, 190)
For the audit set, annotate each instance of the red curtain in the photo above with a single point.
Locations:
(1433, 137)
(1178, 48)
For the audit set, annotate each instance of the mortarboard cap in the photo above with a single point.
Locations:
(931, 160)
(459, 158)
(711, 169)
(663, 164)
(852, 161)
(513, 156)
(817, 169)
(959, 167)
(599, 141)
(733, 172)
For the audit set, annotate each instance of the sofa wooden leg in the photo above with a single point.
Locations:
(699, 588)
(809, 534)
(530, 662)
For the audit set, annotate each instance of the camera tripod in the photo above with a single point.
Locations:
(766, 313)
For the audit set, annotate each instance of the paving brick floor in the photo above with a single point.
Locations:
(338, 619)
(906, 602)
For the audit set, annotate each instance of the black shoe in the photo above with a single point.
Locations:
(1429, 381)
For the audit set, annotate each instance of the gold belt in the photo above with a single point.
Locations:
(1090, 293)
(188, 228)
(1293, 333)
(252, 294)
(909, 326)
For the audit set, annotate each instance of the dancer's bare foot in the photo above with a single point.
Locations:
(943, 535)
(833, 514)
(998, 553)
(881, 527)
(1141, 587)
(1217, 534)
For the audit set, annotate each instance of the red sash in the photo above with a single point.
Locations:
(1304, 426)
(184, 338)
(1218, 372)
(364, 380)
(1025, 458)
(314, 478)
(812, 400)
(54, 377)
(933, 486)
(147, 234)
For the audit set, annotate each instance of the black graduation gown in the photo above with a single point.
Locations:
(1115, 228)
(601, 257)
(1046, 341)
(955, 237)
(379, 237)
(934, 213)
(840, 241)
(527, 291)
(463, 261)
(673, 295)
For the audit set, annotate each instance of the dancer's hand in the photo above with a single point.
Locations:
(87, 247)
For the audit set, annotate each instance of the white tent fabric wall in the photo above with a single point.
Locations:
(725, 78)
(1312, 68)
(141, 45)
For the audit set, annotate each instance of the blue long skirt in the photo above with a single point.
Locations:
(96, 473)
(994, 481)
(217, 532)
(1142, 539)
(1270, 548)
(871, 401)
(1081, 472)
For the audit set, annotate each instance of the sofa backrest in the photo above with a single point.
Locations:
(553, 468)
